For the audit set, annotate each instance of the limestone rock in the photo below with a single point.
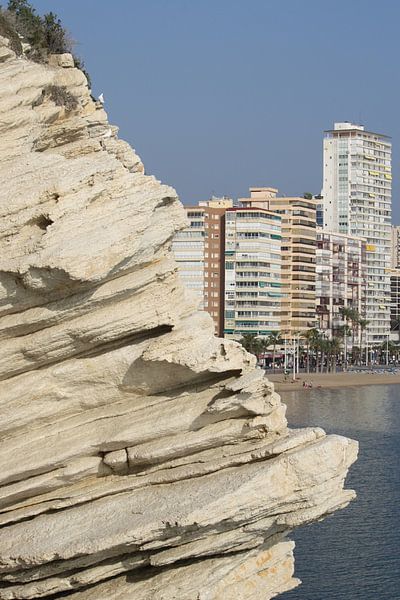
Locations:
(141, 457)
(61, 60)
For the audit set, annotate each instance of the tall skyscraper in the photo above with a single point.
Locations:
(357, 191)
(395, 252)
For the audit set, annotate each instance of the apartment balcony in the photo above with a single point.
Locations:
(322, 309)
(274, 267)
(257, 304)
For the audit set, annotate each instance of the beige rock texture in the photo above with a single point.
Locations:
(141, 457)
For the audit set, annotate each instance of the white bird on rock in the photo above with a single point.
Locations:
(101, 98)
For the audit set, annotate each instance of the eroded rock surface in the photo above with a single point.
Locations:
(141, 457)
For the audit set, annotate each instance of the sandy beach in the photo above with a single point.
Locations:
(331, 380)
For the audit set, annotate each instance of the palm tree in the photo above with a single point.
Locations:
(274, 339)
(319, 346)
(344, 331)
(311, 336)
(388, 348)
(396, 350)
(355, 321)
(334, 350)
(347, 314)
(362, 323)
(324, 346)
(251, 343)
(263, 345)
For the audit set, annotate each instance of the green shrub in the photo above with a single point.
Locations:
(29, 25)
(7, 29)
(45, 35)
(55, 36)
(61, 97)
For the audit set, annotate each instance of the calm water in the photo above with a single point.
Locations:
(355, 554)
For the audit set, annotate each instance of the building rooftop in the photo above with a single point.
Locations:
(347, 127)
(270, 212)
(264, 190)
(216, 202)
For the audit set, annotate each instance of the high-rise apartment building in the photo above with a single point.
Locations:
(199, 252)
(340, 278)
(298, 255)
(395, 302)
(395, 247)
(357, 201)
(320, 211)
(252, 272)
(188, 248)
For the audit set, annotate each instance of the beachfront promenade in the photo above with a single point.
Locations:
(331, 380)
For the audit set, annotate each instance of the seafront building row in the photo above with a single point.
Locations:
(262, 266)
(270, 263)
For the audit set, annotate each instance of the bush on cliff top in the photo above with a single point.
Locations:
(8, 31)
(45, 35)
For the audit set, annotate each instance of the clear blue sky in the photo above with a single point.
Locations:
(220, 95)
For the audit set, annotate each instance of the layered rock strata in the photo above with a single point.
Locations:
(141, 457)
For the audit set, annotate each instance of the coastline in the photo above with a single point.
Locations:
(332, 380)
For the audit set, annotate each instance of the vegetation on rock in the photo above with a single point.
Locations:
(45, 35)
(61, 97)
(7, 30)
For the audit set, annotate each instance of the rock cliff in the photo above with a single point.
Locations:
(141, 457)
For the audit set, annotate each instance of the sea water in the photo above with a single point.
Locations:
(354, 554)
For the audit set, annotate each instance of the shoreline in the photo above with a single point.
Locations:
(332, 380)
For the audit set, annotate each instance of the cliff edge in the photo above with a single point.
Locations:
(141, 457)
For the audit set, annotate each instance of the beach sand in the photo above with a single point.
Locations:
(331, 380)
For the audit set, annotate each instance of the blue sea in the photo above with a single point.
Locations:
(354, 554)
